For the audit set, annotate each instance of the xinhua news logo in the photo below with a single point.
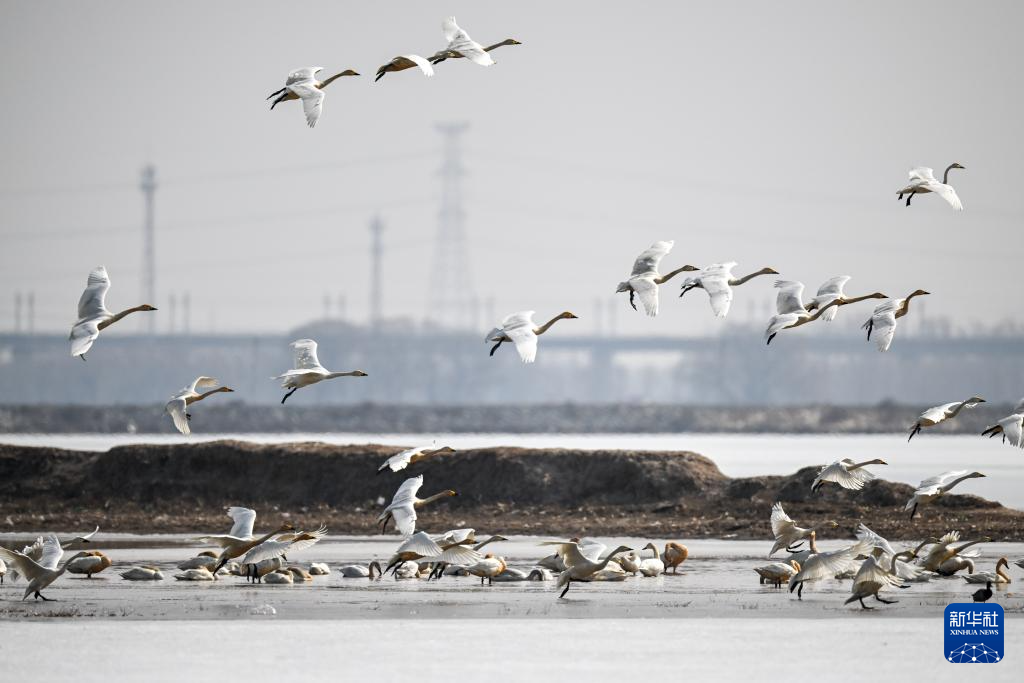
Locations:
(974, 633)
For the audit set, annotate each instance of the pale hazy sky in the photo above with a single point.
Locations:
(764, 133)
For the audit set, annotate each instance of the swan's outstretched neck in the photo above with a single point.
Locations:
(546, 326)
(113, 319)
(746, 278)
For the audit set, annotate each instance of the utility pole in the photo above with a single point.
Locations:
(186, 312)
(451, 287)
(17, 311)
(376, 276)
(148, 187)
(31, 300)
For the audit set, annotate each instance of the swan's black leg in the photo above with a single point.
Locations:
(278, 92)
(288, 394)
(631, 302)
(915, 430)
(44, 598)
(495, 347)
(887, 602)
(909, 197)
(567, 584)
(863, 605)
(871, 326)
(770, 339)
(800, 591)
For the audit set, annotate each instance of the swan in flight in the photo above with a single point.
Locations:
(453, 559)
(93, 316)
(42, 573)
(520, 329)
(442, 55)
(285, 543)
(461, 44)
(883, 321)
(937, 414)
(933, 487)
(792, 313)
(307, 369)
(922, 180)
(873, 577)
(404, 504)
(832, 290)
(400, 461)
(1011, 427)
(92, 563)
(233, 546)
(847, 473)
(883, 552)
(717, 281)
(302, 85)
(777, 573)
(34, 551)
(644, 279)
(998, 576)
(824, 565)
(787, 533)
(177, 407)
(578, 566)
(403, 62)
(943, 556)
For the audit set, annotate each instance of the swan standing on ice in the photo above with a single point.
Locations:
(404, 504)
(177, 407)
(307, 369)
(717, 281)
(847, 473)
(922, 180)
(400, 461)
(520, 329)
(947, 411)
(487, 568)
(302, 85)
(998, 576)
(644, 279)
(651, 566)
(675, 554)
(92, 563)
(93, 316)
(883, 321)
(777, 573)
(1011, 427)
(42, 573)
(930, 489)
(787, 534)
(578, 567)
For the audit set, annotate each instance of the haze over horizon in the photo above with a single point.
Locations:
(761, 134)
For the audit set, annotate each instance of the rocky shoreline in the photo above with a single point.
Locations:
(184, 488)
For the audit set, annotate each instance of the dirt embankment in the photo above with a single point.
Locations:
(184, 488)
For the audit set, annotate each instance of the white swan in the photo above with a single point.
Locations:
(285, 543)
(651, 566)
(933, 487)
(34, 550)
(177, 407)
(883, 321)
(302, 85)
(404, 504)
(943, 555)
(922, 180)
(142, 574)
(39, 574)
(307, 369)
(319, 569)
(937, 414)
(578, 566)
(998, 576)
(520, 329)
(442, 55)
(197, 574)
(777, 573)
(787, 533)
(403, 62)
(93, 315)
(357, 571)
(717, 281)
(644, 279)
(831, 289)
(847, 473)
(399, 461)
(825, 565)
(93, 562)
(1011, 427)
(792, 313)
(883, 551)
(460, 43)
(280, 576)
(487, 568)
(872, 578)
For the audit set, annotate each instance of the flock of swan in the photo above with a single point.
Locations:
(872, 562)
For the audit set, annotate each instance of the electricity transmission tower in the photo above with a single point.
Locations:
(148, 187)
(452, 300)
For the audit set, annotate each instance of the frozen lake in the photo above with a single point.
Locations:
(737, 455)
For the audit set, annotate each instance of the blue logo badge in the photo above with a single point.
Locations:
(974, 633)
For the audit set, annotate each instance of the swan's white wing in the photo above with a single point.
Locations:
(866, 535)
(1019, 408)
(399, 461)
(1013, 430)
(884, 325)
(519, 327)
(923, 174)
(421, 544)
(777, 323)
(221, 540)
(456, 536)
(948, 193)
(52, 552)
(306, 74)
(203, 382)
(648, 261)
(569, 552)
(83, 334)
(93, 300)
(452, 31)
(266, 551)
(244, 520)
(406, 493)
(853, 480)
(826, 565)
(405, 519)
(459, 554)
(834, 286)
(305, 355)
(306, 539)
(781, 522)
(21, 564)
(459, 41)
(871, 572)
(312, 100)
(425, 66)
(719, 291)
(940, 480)
(176, 409)
(936, 413)
(591, 549)
(647, 292)
(790, 297)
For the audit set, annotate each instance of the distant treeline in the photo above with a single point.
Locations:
(237, 417)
